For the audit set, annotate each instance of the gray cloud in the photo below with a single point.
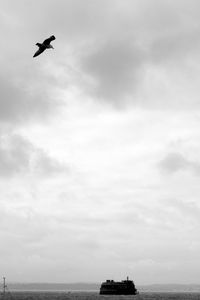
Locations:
(115, 66)
(119, 64)
(69, 18)
(130, 39)
(142, 52)
(46, 165)
(18, 105)
(175, 162)
(18, 156)
(178, 46)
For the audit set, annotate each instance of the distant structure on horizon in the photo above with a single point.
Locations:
(5, 289)
(124, 287)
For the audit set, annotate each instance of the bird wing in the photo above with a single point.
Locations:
(49, 40)
(38, 52)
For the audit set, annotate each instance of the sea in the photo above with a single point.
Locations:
(96, 296)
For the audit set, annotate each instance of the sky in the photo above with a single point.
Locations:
(100, 141)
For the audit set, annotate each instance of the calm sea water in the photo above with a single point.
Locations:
(96, 296)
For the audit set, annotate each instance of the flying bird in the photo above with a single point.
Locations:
(45, 45)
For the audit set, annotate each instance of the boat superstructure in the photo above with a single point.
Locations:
(124, 287)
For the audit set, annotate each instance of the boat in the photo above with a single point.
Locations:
(124, 287)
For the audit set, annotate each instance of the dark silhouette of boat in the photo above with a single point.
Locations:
(124, 287)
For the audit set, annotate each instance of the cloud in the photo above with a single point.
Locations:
(189, 210)
(19, 156)
(110, 205)
(114, 67)
(146, 54)
(69, 18)
(149, 59)
(175, 162)
(30, 224)
(18, 105)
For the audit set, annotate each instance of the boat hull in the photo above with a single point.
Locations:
(110, 287)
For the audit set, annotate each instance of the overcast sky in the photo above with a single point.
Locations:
(100, 141)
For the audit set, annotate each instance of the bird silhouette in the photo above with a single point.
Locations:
(45, 45)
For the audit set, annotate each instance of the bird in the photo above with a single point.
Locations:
(45, 45)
